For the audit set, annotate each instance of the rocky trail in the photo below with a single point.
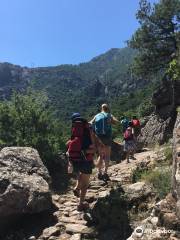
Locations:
(75, 225)
(121, 208)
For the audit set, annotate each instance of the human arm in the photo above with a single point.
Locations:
(92, 121)
(114, 120)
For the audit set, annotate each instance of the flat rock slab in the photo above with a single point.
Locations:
(78, 228)
(138, 190)
(51, 231)
(76, 237)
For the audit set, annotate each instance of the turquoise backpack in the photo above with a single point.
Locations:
(103, 124)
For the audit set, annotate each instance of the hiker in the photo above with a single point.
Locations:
(129, 142)
(81, 149)
(124, 122)
(103, 128)
(136, 126)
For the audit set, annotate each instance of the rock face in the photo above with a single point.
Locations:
(176, 163)
(23, 183)
(159, 127)
(12, 78)
(156, 130)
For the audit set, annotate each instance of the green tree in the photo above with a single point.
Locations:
(28, 120)
(156, 39)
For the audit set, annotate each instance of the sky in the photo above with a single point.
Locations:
(52, 32)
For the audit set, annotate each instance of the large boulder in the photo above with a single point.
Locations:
(24, 181)
(156, 130)
(176, 163)
(159, 127)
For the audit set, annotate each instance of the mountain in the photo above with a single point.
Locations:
(77, 87)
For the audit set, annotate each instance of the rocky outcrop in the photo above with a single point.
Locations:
(12, 78)
(164, 220)
(159, 127)
(176, 164)
(156, 130)
(24, 181)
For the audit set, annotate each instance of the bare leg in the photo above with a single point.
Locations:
(78, 182)
(133, 156)
(77, 186)
(84, 186)
(100, 163)
(107, 158)
(127, 157)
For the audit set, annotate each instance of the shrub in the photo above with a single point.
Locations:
(160, 179)
(28, 120)
(168, 155)
(137, 174)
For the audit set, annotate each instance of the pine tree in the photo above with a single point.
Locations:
(156, 39)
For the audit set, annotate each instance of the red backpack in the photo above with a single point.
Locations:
(135, 122)
(80, 140)
(128, 135)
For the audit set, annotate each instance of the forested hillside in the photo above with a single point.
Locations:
(41, 119)
(83, 87)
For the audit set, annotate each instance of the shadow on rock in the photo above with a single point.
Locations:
(25, 226)
(110, 216)
(59, 176)
(117, 153)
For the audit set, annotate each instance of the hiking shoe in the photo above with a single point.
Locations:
(106, 177)
(133, 158)
(83, 206)
(100, 176)
(76, 192)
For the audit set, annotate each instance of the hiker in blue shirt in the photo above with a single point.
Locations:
(103, 128)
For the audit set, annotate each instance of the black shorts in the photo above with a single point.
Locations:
(82, 167)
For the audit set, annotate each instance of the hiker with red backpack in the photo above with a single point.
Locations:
(136, 126)
(103, 129)
(81, 149)
(129, 142)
